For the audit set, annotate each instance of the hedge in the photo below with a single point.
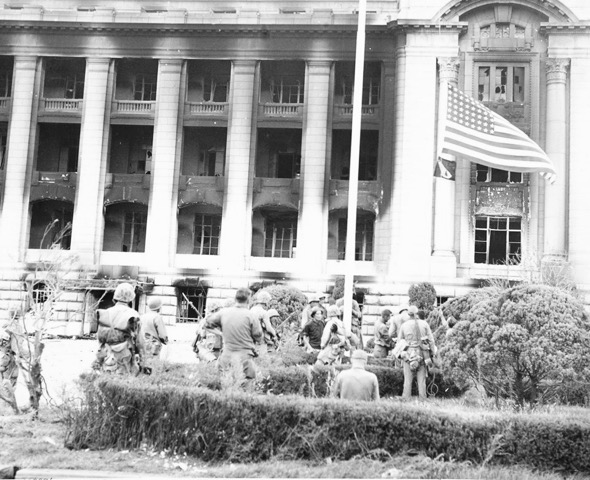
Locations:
(236, 426)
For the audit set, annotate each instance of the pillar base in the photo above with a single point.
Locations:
(443, 264)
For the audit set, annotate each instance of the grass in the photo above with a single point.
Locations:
(39, 443)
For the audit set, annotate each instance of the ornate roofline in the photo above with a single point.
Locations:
(406, 25)
(186, 29)
(553, 9)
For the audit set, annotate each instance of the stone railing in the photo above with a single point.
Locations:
(61, 104)
(207, 108)
(346, 110)
(281, 109)
(134, 106)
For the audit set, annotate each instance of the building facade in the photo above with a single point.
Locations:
(196, 147)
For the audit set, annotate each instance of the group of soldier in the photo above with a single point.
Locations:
(235, 331)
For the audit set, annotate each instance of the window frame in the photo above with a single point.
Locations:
(364, 246)
(213, 222)
(510, 258)
(276, 225)
(137, 229)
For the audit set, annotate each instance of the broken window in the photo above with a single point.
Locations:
(369, 148)
(501, 83)
(134, 230)
(498, 240)
(278, 153)
(207, 230)
(364, 238)
(487, 174)
(280, 235)
(204, 151)
(51, 222)
(144, 88)
(6, 67)
(344, 85)
(64, 78)
(192, 303)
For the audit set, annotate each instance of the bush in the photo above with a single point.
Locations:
(128, 412)
(289, 302)
(423, 295)
(518, 343)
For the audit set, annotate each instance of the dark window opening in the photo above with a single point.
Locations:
(498, 240)
(207, 231)
(363, 241)
(192, 303)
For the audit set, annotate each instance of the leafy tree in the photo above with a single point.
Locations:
(288, 301)
(423, 295)
(523, 343)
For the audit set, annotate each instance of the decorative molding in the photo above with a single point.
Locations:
(557, 70)
(551, 8)
(449, 69)
(407, 25)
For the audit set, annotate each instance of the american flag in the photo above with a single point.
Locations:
(473, 132)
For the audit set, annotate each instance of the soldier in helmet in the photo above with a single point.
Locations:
(121, 342)
(9, 350)
(259, 309)
(208, 342)
(154, 329)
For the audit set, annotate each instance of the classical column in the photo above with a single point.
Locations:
(556, 147)
(14, 216)
(312, 237)
(236, 223)
(86, 223)
(162, 217)
(444, 261)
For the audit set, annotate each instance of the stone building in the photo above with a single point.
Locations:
(196, 147)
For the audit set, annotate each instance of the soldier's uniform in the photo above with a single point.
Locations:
(121, 343)
(8, 366)
(154, 329)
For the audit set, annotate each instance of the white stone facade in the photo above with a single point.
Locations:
(197, 148)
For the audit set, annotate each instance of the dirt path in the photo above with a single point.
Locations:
(65, 359)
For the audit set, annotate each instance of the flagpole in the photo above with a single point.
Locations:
(357, 104)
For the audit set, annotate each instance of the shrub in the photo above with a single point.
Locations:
(128, 412)
(289, 302)
(423, 295)
(517, 342)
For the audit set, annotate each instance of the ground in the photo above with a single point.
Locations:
(39, 444)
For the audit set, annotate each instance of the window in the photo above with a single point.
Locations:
(3, 136)
(286, 90)
(215, 89)
(64, 86)
(51, 225)
(207, 229)
(501, 84)
(134, 230)
(144, 88)
(364, 239)
(371, 90)
(192, 303)
(5, 84)
(488, 174)
(498, 240)
(280, 237)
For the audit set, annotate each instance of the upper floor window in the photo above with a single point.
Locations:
(286, 90)
(371, 90)
(280, 236)
(363, 247)
(134, 229)
(487, 174)
(501, 84)
(215, 89)
(64, 86)
(498, 240)
(144, 88)
(207, 230)
(5, 84)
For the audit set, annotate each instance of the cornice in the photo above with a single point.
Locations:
(185, 29)
(407, 25)
(566, 28)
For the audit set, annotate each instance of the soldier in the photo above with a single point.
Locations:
(9, 350)
(356, 320)
(121, 342)
(209, 342)
(153, 328)
(356, 383)
(259, 311)
(382, 339)
(241, 332)
(415, 346)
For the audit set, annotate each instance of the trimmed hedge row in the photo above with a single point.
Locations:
(125, 413)
(297, 380)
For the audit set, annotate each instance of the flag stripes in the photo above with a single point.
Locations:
(473, 132)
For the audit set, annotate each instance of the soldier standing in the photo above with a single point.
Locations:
(121, 342)
(153, 328)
